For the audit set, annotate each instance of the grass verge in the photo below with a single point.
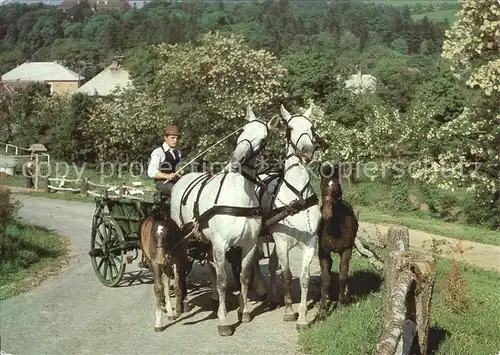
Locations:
(28, 256)
(472, 332)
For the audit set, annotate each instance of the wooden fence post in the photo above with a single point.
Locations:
(84, 187)
(46, 184)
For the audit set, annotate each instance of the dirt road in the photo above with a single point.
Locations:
(481, 255)
(73, 313)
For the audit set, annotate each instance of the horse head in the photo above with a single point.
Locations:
(251, 141)
(300, 134)
(330, 189)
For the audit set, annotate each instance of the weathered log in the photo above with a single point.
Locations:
(396, 315)
(423, 268)
(398, 238)
(372, 258)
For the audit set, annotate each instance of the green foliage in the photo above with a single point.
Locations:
(400, 195)
(441, 204)
(483, 210)
(7, 208)
(443, 95)
(23, 250)
(18, 108)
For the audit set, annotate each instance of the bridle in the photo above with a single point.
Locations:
(316, 140)
(254, 152)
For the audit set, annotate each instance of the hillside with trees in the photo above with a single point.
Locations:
(199, 63)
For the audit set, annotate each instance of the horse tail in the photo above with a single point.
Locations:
(147, 241)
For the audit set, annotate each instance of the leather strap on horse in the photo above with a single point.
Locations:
(292, 208)
(202, 220)
(228, 210)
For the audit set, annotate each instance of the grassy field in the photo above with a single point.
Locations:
(412, 2)
(109, 177)
(28, 255)
(430, 225)
(356, 328)
(450, 15)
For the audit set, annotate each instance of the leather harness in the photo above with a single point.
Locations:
(276, 214)
(202, 219)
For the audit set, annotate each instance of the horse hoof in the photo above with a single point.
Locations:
(301, 326)
(245, 317)
(158, 329)
(225, 330)
(289, 317)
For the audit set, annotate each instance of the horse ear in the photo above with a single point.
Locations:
(285, 114)
(273, 122)
(250, 115)
(308, 112)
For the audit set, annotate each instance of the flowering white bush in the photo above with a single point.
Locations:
(451, 155)
(204, 89)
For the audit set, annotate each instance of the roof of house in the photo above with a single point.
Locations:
(361, 82)
(41, 71)
(104, 83)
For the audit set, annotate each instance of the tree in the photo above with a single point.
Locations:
(472, 47)
(203, 88)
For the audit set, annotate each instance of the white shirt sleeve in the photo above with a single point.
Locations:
(154, 162)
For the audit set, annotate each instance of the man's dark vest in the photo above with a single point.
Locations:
(170, 163)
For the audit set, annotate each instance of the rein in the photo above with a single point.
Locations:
(205, 151)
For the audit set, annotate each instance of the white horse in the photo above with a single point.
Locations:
(300, 228)
(228, 212)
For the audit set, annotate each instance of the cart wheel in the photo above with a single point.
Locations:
(106, 251)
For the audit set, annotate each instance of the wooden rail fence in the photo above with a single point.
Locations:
(89, 188)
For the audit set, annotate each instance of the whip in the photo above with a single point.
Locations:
(203, 152)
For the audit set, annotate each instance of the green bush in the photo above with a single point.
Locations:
(370, 194)
(442, 204)
(483, 210)
(21, 246)
(400, 196)
(7, 207)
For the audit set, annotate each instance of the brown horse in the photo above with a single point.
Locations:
(174, 268)
(337, 232)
